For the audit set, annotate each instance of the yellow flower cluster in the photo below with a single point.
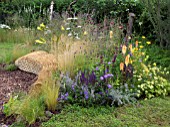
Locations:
(41, 27)
(41, 41)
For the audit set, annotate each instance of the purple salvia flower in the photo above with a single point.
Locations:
(130, 54)
(62, 97)
(114, 58)
(109, 63)
(100, 93)
(82, 78)
(97, 68)
(106, 76)
(110, 75)
(73, 87)
(107, 70)
(101, 78)
(92, 77)
(109, 86)
(86, 94)
(66, 96)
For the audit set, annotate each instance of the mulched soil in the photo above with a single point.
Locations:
(11, 82)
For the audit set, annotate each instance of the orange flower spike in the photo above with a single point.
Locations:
(130, 47)
(127, 60)
(111, 34)
(121, 66)
(137, 44)
(124, 49)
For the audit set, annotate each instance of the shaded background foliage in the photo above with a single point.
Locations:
(146, 21)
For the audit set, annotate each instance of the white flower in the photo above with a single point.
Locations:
(70, 34)
(69, 18)
(77, 37)
(78, 26)
(68, 28)
(140, 23)
(75, 18)
(3, 26)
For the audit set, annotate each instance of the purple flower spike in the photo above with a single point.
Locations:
(66, 96)
(109, 86)
(86, 94)
(97, 68)
(114, 58)
(92, 77)
(110, 75)
(100, 93)
(130, 54)
(62, 97)
(109, 63)
(101, 78)
(106, 76)
(73, 87)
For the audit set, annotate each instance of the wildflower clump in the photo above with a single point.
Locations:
(151, 82)
(42, 40)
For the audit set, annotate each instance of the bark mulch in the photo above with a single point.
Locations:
(11, 82)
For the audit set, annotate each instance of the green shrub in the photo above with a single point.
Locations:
(25, 108)
(160, 19)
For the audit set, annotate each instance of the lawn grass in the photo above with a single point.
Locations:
(146, 113)
(5, 52)
(9, 52)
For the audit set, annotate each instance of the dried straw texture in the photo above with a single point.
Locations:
(39, 62)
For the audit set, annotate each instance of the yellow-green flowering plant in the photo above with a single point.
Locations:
(148, 78)
(49, 37)
(151, 82)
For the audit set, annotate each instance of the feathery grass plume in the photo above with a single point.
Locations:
(72, 54)
(50, 90)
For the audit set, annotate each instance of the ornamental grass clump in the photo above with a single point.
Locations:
(50, 91)
(72, 53)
